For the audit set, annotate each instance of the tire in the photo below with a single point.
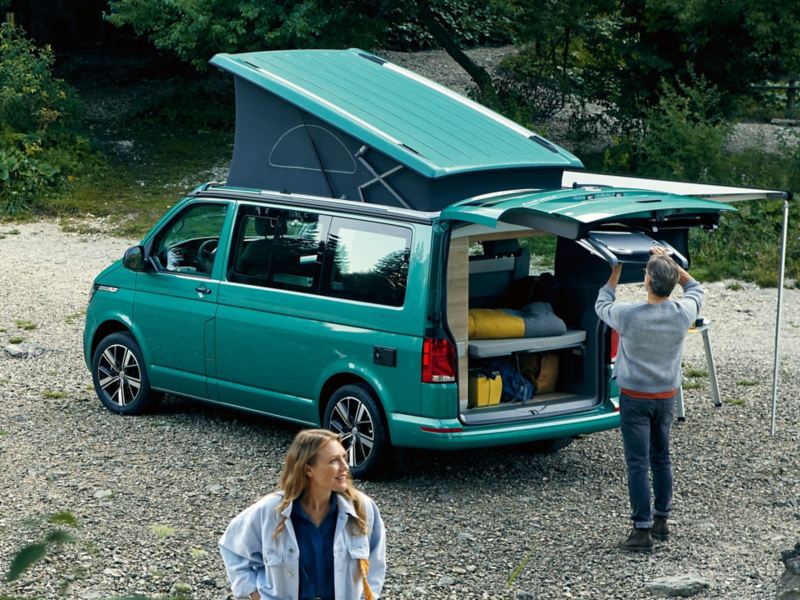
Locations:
(352, 412)
(550, 446)
(120, 377)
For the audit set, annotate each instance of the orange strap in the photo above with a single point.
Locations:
(363, 565)
(649, 395)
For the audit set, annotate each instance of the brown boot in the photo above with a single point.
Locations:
(660, 531)
(639, 540)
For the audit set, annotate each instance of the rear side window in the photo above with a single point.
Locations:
(317, 254)
(367, 262)
(278, 248)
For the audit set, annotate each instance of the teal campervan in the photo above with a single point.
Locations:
(337, 277)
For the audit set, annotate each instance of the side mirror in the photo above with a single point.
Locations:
(133, 258)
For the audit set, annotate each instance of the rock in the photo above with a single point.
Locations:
(789, 584)
(459, 570)
(23, 350)
(100, 494)
(524, 595)
(681, 586)
(445, 581)
(215, 488)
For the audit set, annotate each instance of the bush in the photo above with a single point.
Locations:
(683, 137)
(31, 99)
(29, 168)
(38, 112)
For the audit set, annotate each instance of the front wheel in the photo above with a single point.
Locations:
(352, 412)
(119, 375)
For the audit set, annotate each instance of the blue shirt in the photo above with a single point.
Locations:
(316, 552)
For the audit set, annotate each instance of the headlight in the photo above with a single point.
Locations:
(93, 291)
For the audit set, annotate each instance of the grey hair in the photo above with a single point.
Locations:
(663, 275)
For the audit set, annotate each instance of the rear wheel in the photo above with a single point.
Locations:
(550, 446)
(352, 412)
(119, 375)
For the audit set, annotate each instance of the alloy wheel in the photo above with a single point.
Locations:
(352, 420)
(119, 375)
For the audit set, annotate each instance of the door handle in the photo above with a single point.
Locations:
(200, 289)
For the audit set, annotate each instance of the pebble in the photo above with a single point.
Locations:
(551, 521)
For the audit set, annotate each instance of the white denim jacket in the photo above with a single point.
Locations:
(255, 560)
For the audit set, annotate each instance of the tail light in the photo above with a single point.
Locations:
(438, 361)
(614, 345)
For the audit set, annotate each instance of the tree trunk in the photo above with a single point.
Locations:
(479, 75)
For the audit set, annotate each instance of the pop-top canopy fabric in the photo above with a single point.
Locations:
(347, 124)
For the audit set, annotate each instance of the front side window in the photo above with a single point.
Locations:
(277, 248)
(188, 244)
(369, 262)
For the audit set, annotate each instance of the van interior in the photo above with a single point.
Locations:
(490, 269)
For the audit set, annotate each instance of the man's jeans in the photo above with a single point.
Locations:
(645, 425)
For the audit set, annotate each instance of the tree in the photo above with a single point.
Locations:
(196, 29)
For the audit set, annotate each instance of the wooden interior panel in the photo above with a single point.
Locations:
(458, 304)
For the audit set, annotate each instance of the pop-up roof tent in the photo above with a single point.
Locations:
(348, 124)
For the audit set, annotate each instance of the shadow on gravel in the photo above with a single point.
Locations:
(505, 466)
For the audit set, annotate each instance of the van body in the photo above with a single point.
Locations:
(368, 291)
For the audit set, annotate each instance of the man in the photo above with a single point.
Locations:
(648, 371)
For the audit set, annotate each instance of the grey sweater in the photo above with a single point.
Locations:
(650, 337)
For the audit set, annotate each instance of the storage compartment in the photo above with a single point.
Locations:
(499, 278)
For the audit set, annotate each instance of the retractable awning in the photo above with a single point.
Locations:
(580, 179)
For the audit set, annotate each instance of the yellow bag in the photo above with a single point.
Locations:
(494, 323)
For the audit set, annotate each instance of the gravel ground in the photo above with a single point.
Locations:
(152, 494)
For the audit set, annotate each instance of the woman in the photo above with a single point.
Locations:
(315, 538)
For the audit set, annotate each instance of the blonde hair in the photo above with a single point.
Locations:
(293, 481)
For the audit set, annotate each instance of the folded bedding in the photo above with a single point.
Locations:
(536, 319)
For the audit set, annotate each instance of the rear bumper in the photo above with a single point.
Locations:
(450, 434)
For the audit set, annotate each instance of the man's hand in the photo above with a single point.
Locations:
(659, 251)
(683, 275)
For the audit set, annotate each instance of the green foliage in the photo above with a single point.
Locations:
(683, 137)
(693, 372)
(198, 103)
(63, 518)
(471, 23)
(29, 555)
(25, 559)
(25, 324)
(38, 151)
(31, 98)
(195, 30)
(162, 531)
